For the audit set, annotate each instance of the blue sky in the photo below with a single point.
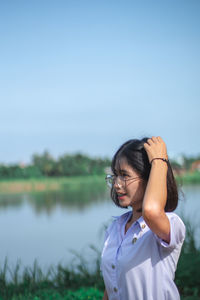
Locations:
(88, 75)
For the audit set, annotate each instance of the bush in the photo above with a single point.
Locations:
(81, 294)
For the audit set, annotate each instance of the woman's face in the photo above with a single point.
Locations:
(131, 190)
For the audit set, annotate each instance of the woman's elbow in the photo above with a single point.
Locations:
(151, 212)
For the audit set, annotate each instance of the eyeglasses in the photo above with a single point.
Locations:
(111, 179)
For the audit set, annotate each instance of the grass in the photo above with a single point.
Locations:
(80, 294)
(188, 271)
(77, 282)
(189, 178)
(14, 186)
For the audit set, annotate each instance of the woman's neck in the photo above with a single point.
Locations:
(136, 214)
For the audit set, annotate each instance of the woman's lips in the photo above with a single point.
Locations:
(121, 196)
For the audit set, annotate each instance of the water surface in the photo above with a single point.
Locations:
(47, 226)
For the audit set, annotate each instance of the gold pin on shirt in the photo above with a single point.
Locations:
(134, 240)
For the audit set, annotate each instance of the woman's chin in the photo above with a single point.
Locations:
(124, 203)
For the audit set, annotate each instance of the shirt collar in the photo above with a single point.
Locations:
(141, 223)
(124, 218)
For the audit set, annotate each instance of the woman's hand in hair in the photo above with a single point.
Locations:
(155, 148)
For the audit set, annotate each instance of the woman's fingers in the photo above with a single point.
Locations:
(155, 147)
(160, 139)
(146, 146)
(155, 139)
(150, 141)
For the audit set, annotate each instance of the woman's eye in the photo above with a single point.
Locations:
(125, 175)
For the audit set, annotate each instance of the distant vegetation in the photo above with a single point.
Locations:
(186, 163)
(45, 165)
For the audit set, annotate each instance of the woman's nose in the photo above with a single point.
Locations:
(117, 183)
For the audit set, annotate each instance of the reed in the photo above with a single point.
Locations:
(78, 281)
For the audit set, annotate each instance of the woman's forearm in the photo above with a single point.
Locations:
(156, 190)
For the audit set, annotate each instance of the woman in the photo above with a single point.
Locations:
(142, 246)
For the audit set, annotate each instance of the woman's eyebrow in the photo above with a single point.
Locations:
(124, 171)
(121, 171)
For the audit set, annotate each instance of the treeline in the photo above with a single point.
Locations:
(184, 162)
(45, 165)
(73, 165)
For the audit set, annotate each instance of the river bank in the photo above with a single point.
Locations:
(48, 183)
(189, 178)
(58, 183)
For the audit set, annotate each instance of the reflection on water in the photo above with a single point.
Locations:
(69, 198)
(7, 201)
(81, 197)
(189, 207)
(190, 202)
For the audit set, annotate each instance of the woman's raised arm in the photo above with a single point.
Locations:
(155, 196)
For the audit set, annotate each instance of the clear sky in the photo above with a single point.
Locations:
(88, 75)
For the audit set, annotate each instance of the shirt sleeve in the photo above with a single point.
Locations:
(177, 232)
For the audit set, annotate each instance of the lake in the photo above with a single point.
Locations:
(50, 226)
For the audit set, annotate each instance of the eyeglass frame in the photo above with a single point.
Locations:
(108, 176)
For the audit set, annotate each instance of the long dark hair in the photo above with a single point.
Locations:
(133, 151)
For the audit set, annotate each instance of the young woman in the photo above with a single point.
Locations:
(142, 246)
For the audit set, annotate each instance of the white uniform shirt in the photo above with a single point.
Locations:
(139, 265)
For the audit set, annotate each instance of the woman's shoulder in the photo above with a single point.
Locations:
(118, 220)
(123, 216)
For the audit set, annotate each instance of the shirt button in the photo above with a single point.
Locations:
(113, 266)
(115, 289)
(134, 240)
(143, 226)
